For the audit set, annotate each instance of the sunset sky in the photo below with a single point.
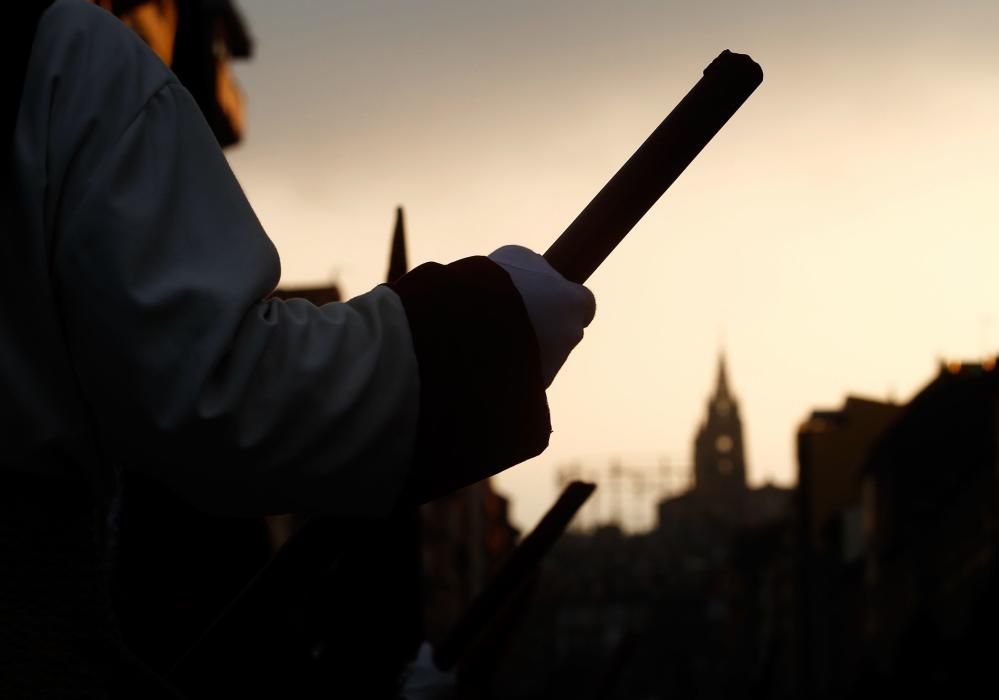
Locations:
(839, 236)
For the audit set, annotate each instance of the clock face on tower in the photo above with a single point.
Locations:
(724, 444)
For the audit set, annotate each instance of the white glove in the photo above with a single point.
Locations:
(559, 309)
(424, 681)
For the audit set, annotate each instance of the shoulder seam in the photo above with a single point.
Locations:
(169, 81)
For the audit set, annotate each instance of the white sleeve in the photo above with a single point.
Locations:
(242, 405)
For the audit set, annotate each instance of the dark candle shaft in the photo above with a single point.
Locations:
(517, 570)
(727, 83)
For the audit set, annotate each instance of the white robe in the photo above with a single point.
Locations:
(132, 326)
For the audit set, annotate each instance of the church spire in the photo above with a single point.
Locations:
(721, 389)
(398, 264)
(719, 458)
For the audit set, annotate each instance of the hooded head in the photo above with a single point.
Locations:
(196, 39)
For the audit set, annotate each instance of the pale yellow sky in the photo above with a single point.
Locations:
(840, 233)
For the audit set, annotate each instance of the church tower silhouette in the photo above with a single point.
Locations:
(719, 455)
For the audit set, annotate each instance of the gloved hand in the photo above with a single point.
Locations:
(559, 309)
(424, 681)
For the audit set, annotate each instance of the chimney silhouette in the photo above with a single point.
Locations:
(398, 265)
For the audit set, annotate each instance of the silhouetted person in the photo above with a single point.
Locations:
(135, 337)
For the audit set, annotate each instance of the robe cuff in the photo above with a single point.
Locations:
(482, 398)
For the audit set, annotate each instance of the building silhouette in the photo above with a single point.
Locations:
(700, 606)
(833, 447)
(896, 581)
(720, 496)
(719, 453)
(932, 509)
